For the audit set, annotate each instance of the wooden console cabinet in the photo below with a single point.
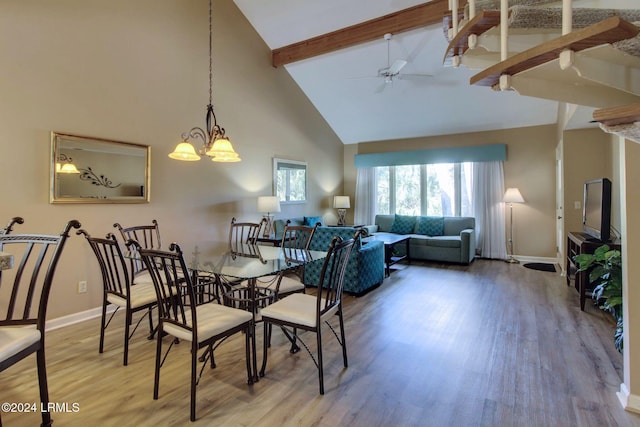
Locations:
(581, 243)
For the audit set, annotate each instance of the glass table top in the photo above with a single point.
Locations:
(246, 261)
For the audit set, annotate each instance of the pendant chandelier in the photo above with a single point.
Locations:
(216, 144)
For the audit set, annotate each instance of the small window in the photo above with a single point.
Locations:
(290, 180)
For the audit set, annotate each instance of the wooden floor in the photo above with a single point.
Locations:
(492, 344)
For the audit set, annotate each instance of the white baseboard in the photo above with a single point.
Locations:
(546, 260)
(74, 318)
(630, 402)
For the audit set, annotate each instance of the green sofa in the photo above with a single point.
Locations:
(454, 242)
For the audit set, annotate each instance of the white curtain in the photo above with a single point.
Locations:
(366, 196)
(488, 208)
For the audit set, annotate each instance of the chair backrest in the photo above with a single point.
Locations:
(297, 236)
(146, 236)
(9, 228)
(244, 232)
(331, 283)
(24, 289)
(173, 285)
(113, 266)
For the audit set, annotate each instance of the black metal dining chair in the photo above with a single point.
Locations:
(181, 317)
(118, 290)
(309, 312)
(23, 313)
(146, 236)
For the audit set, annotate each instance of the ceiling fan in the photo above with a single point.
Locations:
(391, 72)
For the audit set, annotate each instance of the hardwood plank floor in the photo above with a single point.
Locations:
(491, 344)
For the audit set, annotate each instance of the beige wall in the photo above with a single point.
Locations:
(588, 154)
(530, 166)
(137, 71)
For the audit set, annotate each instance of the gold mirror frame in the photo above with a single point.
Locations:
(95, 170)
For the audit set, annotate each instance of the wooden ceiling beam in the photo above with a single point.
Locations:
(397, 22)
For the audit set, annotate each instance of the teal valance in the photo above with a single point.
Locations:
(475, 153)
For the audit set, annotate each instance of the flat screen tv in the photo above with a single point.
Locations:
(596, 212)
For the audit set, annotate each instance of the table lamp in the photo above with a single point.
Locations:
(341, 203)
(511, 196)
(267, 205)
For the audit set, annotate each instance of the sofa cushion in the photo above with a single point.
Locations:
(403, 224)
(430, 225)
(310, 221)
(444, 241)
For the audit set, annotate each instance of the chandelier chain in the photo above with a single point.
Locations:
(210, 54)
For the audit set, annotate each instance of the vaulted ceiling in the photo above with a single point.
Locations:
(344, 85)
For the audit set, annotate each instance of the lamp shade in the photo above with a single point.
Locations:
(185, 151)
(512, 195)
(268, 204)
(341, 202)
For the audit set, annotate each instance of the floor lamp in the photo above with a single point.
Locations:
(511, 196)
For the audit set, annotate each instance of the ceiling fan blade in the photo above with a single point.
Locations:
(381, 87)
(397, 65)
(413, 76)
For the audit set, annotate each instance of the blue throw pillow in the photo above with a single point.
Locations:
(431, 225)
(310, 221)
(403, 224)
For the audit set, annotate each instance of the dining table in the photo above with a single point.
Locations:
(233, 267)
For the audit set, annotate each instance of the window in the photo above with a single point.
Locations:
(442, 189)
(290, 180)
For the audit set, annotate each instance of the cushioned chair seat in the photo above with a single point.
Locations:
(297, 308)
(213, 319)
(141, 295)
(15, 339)
(290, 284)
(142, 277)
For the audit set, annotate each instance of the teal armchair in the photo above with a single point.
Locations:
(365, 269)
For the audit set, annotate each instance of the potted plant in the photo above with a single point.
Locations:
(605, 273)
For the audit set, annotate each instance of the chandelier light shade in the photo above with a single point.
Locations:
(341, 203)
(511, 196)
(215, 144)
(267, 205)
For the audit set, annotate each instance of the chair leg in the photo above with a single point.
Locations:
(103, 326)
(128, 320)
(44, 388)
(151, 329)
(320, 371)
(343, 341)
(265, 344)
(156, 380)
(247, 345)
(194, 373)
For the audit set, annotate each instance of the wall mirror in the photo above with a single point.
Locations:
(94, 170)
(290, 180)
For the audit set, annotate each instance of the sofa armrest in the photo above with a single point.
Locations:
(371, 263)
(370, 229)
(467, 245)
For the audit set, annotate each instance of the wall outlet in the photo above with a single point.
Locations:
(82, 286)
(577, 205)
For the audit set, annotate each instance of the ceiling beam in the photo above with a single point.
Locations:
(397, 22)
